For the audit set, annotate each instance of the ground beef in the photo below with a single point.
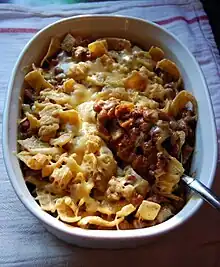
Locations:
(127, 130)
(132, 134)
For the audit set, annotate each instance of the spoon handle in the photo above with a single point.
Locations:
(203, 191)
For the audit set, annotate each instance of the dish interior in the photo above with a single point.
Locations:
(204, 160)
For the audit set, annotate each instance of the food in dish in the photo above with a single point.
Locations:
(105, 134)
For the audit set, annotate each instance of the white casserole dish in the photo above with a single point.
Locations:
(144, 33)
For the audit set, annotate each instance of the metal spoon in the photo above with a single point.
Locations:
(202, 191)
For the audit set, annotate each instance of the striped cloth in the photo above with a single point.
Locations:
(23, 240)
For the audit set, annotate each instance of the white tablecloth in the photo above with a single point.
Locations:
(23, 240)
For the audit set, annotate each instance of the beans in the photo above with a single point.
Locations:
(127, 124)
(24, 126)
(97, 107)
(123, 111)
(28, 96)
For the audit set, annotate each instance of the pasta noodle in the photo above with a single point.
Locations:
(106, 132)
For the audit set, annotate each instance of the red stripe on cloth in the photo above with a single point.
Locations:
(18, 30)
(160, 22)
(180, 18)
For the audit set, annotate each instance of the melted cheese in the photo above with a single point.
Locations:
(148, 210)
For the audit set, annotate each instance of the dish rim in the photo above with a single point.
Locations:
(52, 222)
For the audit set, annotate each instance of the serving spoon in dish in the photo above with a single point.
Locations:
(204, 192)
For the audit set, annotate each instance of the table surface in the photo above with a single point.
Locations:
(24, 241)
